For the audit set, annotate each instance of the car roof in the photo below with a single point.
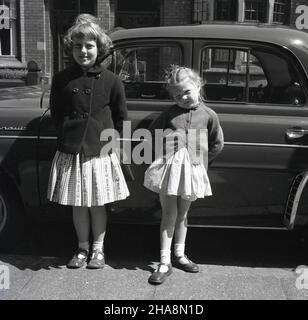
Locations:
(261, 32)
(291, 38)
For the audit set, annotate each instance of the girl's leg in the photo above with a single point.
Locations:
(180, 236)
(169, 213)
(98, 223)
(167, 225)
(181, 221)
(81, 220)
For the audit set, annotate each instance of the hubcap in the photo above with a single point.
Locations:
(3, 213)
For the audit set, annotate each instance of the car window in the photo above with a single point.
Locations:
(249, 75)
(142, 69)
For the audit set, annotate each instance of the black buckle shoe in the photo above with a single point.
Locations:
(158, 277)
(79, 259)
(187, 267)
(96, 262)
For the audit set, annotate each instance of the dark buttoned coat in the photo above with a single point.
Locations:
(83, 104)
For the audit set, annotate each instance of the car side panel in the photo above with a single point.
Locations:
(18, 145)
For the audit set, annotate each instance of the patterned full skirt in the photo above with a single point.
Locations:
(78, 180)
(178, 176)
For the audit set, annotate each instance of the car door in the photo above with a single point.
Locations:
(259, 92)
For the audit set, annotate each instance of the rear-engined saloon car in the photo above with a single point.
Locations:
(255, 78)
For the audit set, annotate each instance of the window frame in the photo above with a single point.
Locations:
(283, 53)
(199, 11)
(13, 31)
(227, 84)
(147, 44)
(258, 3)
(278, 4)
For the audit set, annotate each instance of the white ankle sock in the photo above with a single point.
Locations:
(179, 249)
(165, 258)
(97, 245)
(179, 252)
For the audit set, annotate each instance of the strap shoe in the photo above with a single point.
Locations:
(188, 266)
(79, 259)
(97, 260)
(159, 277)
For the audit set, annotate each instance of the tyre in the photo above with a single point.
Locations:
(11, 217)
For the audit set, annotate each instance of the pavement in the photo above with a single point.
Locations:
(21, 92)
(234, 265)
(24, 97)
(47, 278)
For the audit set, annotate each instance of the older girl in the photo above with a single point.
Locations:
(85, 99)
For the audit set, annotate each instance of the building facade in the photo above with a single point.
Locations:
(31, 32)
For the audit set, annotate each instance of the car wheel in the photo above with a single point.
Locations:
(10, 218)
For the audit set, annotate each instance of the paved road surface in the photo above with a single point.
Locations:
(235, 265)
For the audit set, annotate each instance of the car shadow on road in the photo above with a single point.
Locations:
(247, 248)
(50, 245)
(136, 247)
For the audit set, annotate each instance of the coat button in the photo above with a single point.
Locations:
(85, 115)
(75, 90)
(87, 91)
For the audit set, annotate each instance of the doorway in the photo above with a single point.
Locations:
(63, 14)
(137, 13)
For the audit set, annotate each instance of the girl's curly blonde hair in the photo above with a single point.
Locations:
(91, 31)
(86, 17)
(176, 74)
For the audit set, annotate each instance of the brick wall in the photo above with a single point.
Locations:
(106, 13)
(176, 12)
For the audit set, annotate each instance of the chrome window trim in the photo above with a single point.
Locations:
(235, 227)
(245, 144)
(257, 144)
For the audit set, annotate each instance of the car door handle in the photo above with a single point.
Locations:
(296, 133)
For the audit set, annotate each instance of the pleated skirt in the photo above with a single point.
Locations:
(78, 180)
(178, 176)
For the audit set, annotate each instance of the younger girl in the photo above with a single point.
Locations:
(179, 173)
(85, 99)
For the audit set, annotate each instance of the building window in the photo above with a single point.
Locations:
(225, 10)
(8, 32)
(222, 57)
(255, 10)
(200, 10)
(280, 11)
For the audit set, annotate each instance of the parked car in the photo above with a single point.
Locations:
(255, 78)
